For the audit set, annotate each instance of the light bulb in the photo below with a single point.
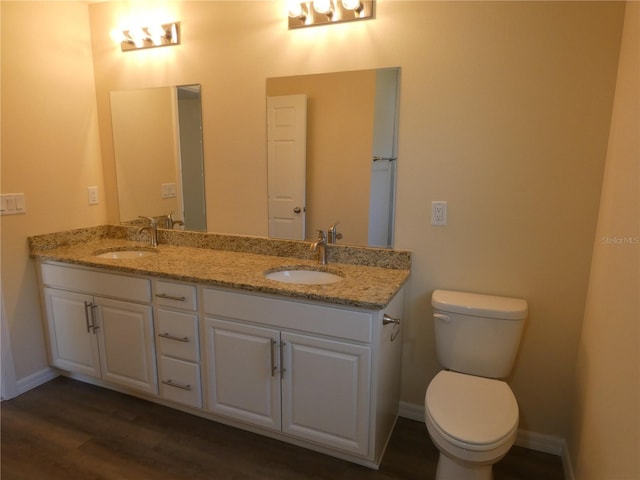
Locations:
(118, 36)
(352, 5)
(156, 33)
(138, 36)
(294, 8)
(322, 6)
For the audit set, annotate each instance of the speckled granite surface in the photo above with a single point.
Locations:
(371, 276)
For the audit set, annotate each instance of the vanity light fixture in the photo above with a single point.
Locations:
(164, 35)
(307, 13)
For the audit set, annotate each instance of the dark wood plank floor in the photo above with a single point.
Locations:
(69, 430)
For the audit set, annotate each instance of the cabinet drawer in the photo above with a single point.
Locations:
(180, 382)
(97, 283)
(177, 334)
(336, 322)
(177, 295)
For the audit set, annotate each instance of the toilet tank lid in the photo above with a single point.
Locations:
(479, 304)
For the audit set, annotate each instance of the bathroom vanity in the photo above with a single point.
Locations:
(203, 330)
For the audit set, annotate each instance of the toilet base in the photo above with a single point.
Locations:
(449, 469)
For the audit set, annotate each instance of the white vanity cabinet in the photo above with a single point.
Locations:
(177, 342)
(100, 325)
(323, 376)
(320, 374)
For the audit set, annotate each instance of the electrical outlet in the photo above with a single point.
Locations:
(93, 195)
(439, 213)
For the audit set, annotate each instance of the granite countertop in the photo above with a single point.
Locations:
(363, 286)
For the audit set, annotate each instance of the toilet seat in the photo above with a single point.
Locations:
(473, 413)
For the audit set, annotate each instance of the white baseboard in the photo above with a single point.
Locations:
(541, 442)
(526, 439)
(411, 411)
(35, 380)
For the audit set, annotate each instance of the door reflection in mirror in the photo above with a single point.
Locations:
(351, 119)
(286, 165)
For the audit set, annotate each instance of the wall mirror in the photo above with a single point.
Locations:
(350, 143)
(157, 137)
(349, 139)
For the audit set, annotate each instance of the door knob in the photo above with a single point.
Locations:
(297, 210)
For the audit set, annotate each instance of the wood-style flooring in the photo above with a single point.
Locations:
(70, 430)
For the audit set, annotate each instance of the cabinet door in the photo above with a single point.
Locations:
(243, 372)
(326, 392)
(72, 344)
(127, 354)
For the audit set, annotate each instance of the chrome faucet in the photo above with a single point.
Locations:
(172, 223)
(333, 235)
(321, 246)
(153, 231)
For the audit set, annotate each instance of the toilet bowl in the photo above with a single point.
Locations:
(473, 421)
(472, 415)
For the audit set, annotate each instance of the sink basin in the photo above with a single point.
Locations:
(304, 276)
(125, 254)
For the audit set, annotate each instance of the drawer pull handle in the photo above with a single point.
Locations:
(176, 385)
(171, 297)
(173, 337)
(386, 320)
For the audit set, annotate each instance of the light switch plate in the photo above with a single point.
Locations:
(12, 204)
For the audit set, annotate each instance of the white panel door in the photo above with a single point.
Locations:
(287, 157)
(127, 353)
(325, 392)
(243, 372)
(72, 344)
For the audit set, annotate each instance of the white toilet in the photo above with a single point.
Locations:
(471, 416)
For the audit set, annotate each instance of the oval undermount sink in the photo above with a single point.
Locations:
(125, 254)
(304, 276)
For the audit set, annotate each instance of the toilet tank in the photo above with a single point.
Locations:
(477, 334)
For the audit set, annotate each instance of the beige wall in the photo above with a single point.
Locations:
(50, 150)
(340, 110)
(504, 112)
(605, 434)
